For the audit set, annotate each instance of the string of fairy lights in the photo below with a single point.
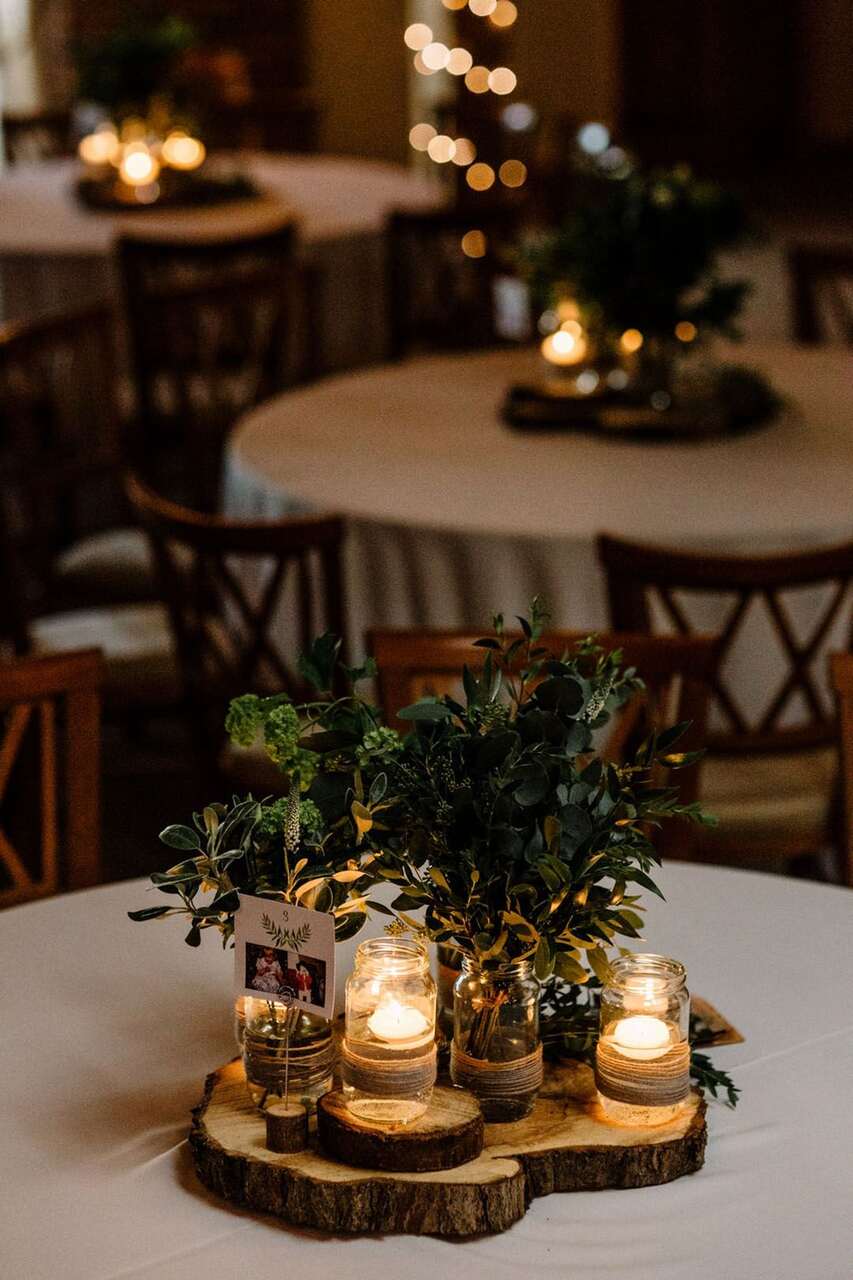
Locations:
(430, 57)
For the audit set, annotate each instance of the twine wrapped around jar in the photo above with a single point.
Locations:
(662, 1082)
(401, 1076)
(492, 1081)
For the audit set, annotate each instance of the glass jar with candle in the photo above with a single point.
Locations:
(496, 1051)
(288, 1054)
(642, 1065)
(388, 1058)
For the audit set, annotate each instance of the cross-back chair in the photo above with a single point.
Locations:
(211, 330)
(821, 283)
(675, 671)
(232, 588)
(770, 773)
(440, 298)
(841, 666)
(49, 775)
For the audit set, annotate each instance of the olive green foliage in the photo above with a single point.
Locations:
(135, 61)
(640, 252)
(512, 834)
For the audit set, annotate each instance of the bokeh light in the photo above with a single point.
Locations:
(477, 80)
(631, 340)
(182, 151)
(686, 331)
(460, 62)
(441, 148)
(480, 177)
(466, 152)
(513, 173)
(421, 135)
(593, 138)
(474, 244)
(519, 117)
(502, 80)
(482, 8)
(421, 67)
(417, 36)
(563, 348)
(138, 166)
(454, 4)
(587, 381)
(100, 147)
(504, 13)
(435, 56)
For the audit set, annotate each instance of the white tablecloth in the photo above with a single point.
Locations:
(56, 254)
(454, 515)
(109, 1028)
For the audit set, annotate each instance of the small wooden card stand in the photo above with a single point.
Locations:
(287, 1127)
(563, 1145)
(451, 1133)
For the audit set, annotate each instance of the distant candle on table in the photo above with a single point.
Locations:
(641, 1037)
(395, 1022)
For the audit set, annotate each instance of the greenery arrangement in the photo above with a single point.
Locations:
(638, 251)
(135, 62)
(494, 817)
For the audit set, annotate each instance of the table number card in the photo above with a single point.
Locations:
(285, 952)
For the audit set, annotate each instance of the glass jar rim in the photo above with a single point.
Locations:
(498, 969)
(669, 974)
(392, 956)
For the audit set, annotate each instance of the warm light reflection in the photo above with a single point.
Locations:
(421, 67)
(441, 148)
(474, 244)
(482, 8)
(686, 331)
(460, 62)
(421, 135)
(466, 152)
(180, 151)
(100, 147)
(502, 80)
(417, 36)
(505, 13)
(480, 177)
(631, 340)
(477, 80)
(513, 173)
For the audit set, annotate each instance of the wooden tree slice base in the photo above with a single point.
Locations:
(451, 1133)
(563, 1145)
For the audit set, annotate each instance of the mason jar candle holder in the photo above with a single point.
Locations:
(388, 1057)
(642, 1060)
(288, 1054)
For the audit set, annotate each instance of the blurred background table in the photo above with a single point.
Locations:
(106, 1052)
(55, 254)
(465, 513)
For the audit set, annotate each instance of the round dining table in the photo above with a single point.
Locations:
(453, 514)
(57, 254)
(110, 1028)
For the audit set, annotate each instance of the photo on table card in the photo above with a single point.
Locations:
(285, 953)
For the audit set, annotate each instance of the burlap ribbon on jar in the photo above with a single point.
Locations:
(494, 1080)
(381, 1077)
(659, 1082)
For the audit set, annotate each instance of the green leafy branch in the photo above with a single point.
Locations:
(287, 939)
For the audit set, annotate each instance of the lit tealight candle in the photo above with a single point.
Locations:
(394, 1022)
(564, 348)
(138, 166)
(100, 147)
(180, 151)
(641, 1037)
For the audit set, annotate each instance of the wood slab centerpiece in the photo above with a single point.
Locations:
(563, 1145)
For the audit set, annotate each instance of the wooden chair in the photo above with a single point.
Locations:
(841, 666)
(211, 333)
(61, 459)
(769, 776)
(49, 775)
(675, 671)
(229, 586)
(821, 282)
(439, 299)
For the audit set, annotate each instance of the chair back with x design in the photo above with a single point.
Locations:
(644, 580)
(49, 775)
(241, 596)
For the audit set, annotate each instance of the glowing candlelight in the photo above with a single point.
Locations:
(180, 151)
(138, 166)
(394, 1022)
(564, 347)
(641, 1037)
(99, 148)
